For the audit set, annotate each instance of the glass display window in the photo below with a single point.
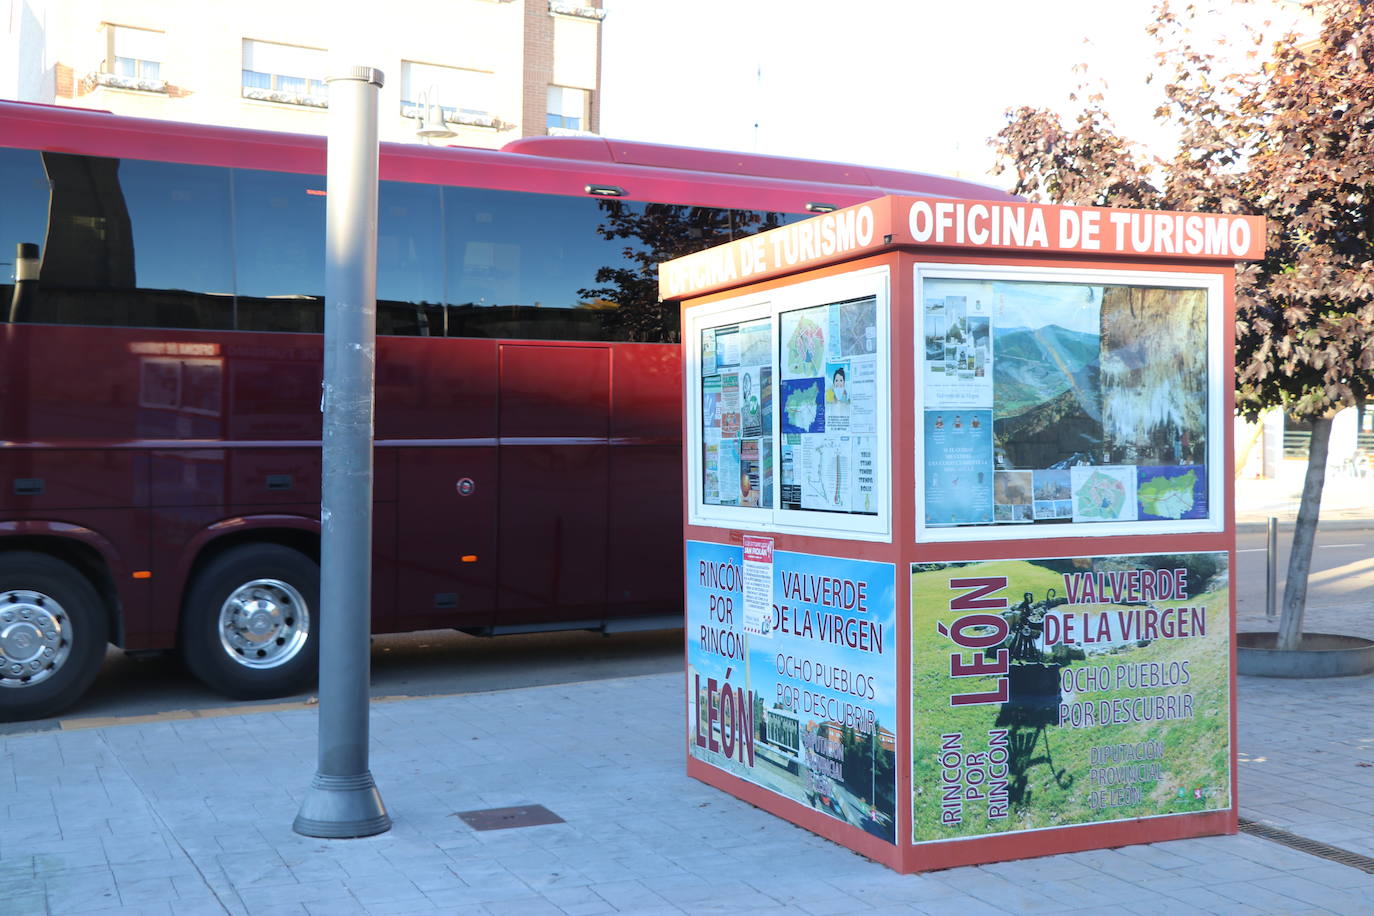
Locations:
(789, 420)
(1056, 403)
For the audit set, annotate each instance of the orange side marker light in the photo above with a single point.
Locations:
(143, 574)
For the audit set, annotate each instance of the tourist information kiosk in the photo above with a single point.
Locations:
(957, 525)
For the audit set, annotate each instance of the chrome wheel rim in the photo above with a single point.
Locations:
(264, 623)
(35, 637)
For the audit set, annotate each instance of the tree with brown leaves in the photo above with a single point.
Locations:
(1287, 133)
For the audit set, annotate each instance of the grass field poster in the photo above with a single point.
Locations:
(1080, 690)
(804, 705)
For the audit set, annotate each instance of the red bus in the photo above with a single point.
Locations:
(160, 366)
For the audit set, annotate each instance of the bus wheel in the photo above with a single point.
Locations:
(53, 635)
(250, 627)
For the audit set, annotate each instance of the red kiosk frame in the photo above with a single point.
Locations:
(957, 525)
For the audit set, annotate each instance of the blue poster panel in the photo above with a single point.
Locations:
(1053, 692)
(807, 707)
(958, 467)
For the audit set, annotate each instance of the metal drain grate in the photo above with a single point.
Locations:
(1309, 846)
(501, 818)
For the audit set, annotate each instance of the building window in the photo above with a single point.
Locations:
(464, 95)
(284, 73)
(567, 108)
(134, 53)
(133, 60)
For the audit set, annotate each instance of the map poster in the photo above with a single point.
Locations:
(810, 712)
(1056, 692)
(1172, 492)
(1103, 493)
(958, 467)
(803, 405)
(826, 473)
(803, 343)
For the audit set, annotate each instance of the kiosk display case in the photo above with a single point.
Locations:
(957, 531)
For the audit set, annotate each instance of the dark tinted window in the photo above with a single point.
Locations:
(410, 260)
(126, 242)
(182, 253)
(23, 222)
(545, 266)
(279, 250)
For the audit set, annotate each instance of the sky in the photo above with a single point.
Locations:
(911, 84)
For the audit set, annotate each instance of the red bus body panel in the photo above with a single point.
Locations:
(518, 483)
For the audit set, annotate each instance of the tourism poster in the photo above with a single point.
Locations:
(827, 394)
(958, 349)
(1080, 690)
(736, 415)
(804, 706)
(958, 467)
(1106, 382)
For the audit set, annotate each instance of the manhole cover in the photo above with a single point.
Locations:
(501, 818)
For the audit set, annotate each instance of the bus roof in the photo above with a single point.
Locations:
(555, 165)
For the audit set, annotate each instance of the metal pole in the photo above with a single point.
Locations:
(1271, 585)
(343, 801)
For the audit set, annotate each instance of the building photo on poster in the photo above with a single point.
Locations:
(1056, 692)
(802, 703)
(1093, 398)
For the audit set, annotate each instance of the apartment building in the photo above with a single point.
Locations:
(489, 71)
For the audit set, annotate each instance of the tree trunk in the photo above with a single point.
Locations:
(1304, 537)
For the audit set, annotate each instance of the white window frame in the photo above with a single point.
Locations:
(419, 78)
(872, 281)
(137, 35)
(316, 91)
(562, 92)
(1217, 424)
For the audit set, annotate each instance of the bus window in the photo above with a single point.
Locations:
(122, 242)
(516, 262)
(279, 250)
(180, 221)
(23, 222)
(410, 260)
(548, 267)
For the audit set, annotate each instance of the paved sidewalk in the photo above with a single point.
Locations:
(1347, 502)
(194, 816)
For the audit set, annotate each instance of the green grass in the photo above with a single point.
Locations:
(1054, 773)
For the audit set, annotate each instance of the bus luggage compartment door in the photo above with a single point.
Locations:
(555, 471)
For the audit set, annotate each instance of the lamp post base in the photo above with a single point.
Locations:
(342, 807)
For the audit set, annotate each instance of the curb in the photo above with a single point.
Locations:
(1261, 525)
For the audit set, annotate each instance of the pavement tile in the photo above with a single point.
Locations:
(1314, 893)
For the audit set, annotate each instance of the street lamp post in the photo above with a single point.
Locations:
(343, 801)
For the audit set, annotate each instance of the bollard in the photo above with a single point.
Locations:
(1271, 582)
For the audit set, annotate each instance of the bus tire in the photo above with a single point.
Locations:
(250, 624)
(53, 635)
